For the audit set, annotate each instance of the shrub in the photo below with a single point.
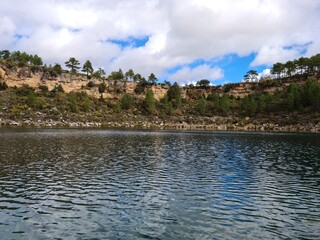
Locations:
(31, 100)
(174, 95)
(24, 90)
(149, 102)
(127, 102)
(139, 88)
(73, 104)
(43, 88)
(57, 69)
(117, 108)
(3, 86)
(90, 84)
(58, 88)
(201, 106)
(102, 88)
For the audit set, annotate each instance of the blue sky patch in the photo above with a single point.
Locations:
(173, 70)
(133, 42)
(233, 66)
(198, 62)
(192, 65)
(20, 36)
(302, 48)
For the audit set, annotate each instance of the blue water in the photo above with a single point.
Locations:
(103, 184)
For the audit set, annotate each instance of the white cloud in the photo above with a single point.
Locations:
(265, 74)
(270, 55)
(7, 31)
(178, 32)
(314, 48)
(187, 75)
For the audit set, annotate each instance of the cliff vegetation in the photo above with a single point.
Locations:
(33, 93)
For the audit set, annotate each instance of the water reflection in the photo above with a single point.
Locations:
(80, 184)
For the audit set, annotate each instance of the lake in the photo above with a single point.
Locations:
(119, 184)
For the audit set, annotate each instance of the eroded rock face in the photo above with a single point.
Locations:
(159, 91)
(48, 76)
(130, 86)
(2, 73)
(119, 87)
(25, 73)
(14, 76)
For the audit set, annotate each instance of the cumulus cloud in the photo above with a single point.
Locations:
(187, 75)
(7, 31)
(178, 32)
(265, 74)
(270, 55)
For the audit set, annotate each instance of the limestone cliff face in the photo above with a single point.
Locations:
(159, 90)
(241, 90)
(18, 77)
(2, 73)
(70, 83)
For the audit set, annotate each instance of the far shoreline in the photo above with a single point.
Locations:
(218, 127)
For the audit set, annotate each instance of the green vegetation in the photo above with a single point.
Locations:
(174, 95)
(21, 58)
(251, 76)
(57, 69)
(58, 89)
(152, 79)
(127, 102)
(99, 73)
(203, 83)
(116, 75)
(202, 105)
(149, 102)
(73, 64)
(102, 88)
(165, 106)
(90, 84)
(296, 99)
(3, 86)
(301, 66)
(87, 68)
(129, 75)
(298, 94)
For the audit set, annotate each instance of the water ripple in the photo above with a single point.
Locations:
(80, 184)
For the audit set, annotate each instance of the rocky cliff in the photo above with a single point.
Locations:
(17, 77)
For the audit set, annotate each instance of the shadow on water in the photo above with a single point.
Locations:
(80, 184)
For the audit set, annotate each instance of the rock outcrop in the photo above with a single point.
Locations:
(2, 74)
(14, 76)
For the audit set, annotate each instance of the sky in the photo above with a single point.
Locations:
(178, 40)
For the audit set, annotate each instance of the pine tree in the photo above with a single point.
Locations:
(73, 64)
(87, 68)
(149, 102)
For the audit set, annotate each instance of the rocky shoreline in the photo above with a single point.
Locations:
(160, 124)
